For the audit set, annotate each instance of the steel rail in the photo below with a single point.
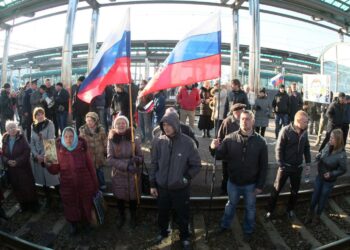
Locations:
(196, 202)
(18, 243)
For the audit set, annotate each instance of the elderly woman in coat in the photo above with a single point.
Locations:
(16, 155)
(125, 170)
(262, 110)
(78, 178)
(42, 129)
(331, 163)
(95, 136)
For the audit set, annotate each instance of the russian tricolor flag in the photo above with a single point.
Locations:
(111, 64)
(195, 58)
(277, 80)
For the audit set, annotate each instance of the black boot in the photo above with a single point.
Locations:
(203, 133)
(3, 214)
(208, 133)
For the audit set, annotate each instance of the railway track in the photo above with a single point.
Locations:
(48, 228)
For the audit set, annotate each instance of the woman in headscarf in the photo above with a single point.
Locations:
(78, 178)
(125, 168)
(42, 129)
(16, 158)
(96, 138)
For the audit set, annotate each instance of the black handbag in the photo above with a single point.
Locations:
(145, 185)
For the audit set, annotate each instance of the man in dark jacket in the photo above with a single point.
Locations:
(295, 101)
(175, 161)
(80, 108)
(6, 106)
(246, 154)
(346, 119)
(61, 104)
(237, 95)
(291, 146)
(281, 109)
(229, 125)
(335, 113)
(51, 111)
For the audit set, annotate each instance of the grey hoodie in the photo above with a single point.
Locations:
(175, 160)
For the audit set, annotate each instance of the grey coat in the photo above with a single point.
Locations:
(41, 175)
(175, 160)
(262, 110)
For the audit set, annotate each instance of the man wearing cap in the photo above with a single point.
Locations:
(175, 161)
(6, 106)
(229, 125)
(281, 109)
(246, 154)
(335, 113)
(80, 108)
(237, 95)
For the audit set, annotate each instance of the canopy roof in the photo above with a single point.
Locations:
(333, 11)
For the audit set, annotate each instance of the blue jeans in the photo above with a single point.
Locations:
(234, 192)
(62, 120)
(322, 189)
(145, 123)
(280, 120)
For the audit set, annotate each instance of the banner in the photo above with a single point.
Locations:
(317, 88)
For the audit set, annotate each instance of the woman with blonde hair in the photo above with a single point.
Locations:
(331, 163)
(125, 168)
(42, 129)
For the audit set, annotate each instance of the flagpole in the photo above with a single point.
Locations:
(213, 175)
(136, 178)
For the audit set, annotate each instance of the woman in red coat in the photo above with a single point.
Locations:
(78, 178)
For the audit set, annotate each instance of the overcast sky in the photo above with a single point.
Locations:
(153, 22)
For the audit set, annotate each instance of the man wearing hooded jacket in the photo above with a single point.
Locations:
(175, 161)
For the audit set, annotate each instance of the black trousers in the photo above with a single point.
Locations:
(281, 178)
(179, 200)
(79, 121)
(121, 206)
(345, 129)
(260, 130)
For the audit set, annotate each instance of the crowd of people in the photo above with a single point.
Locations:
(102, 135)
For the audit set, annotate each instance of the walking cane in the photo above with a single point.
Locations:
(213, 170)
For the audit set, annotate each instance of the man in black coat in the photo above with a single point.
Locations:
(292, 145)
(61, 105)
(281, 108)
(237, 95)
(229, 125)
(335, 114)
(246, 154)
(295, 101)
(80, 108)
